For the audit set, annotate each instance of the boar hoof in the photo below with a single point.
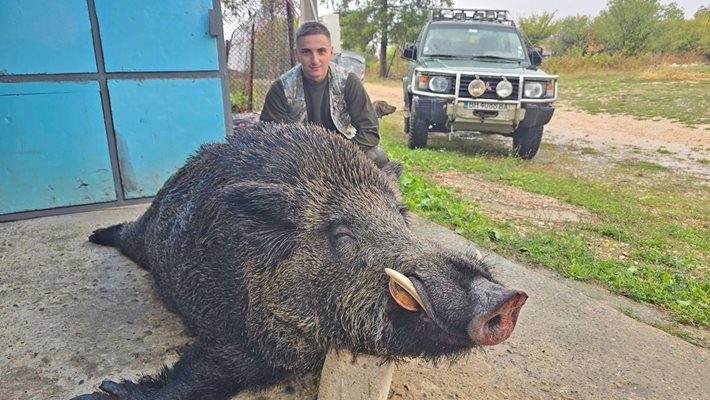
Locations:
(112, 388)
(94, 396)
(109, 390)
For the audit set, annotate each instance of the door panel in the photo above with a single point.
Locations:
(166, 35)
(159, 123)
(45, 37)
(53, 148)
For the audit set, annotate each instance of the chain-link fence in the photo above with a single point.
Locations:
(260, 47)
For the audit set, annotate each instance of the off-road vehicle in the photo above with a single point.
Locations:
(470, 70)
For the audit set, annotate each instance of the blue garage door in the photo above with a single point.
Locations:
(102, 100)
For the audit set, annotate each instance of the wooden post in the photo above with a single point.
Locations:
(344, 377)
(291, 33)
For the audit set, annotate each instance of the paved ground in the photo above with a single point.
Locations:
(73, 313)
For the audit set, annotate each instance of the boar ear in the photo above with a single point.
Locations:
(272, 204)
(393, 170)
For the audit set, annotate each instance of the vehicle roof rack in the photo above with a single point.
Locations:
(471, 14)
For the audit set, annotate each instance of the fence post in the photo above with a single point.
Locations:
(291, 34)
(250, 83)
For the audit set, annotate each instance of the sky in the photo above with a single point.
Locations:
(565, 8)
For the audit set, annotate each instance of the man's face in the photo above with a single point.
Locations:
(315, 53)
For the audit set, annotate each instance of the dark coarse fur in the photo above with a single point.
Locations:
(271, 247)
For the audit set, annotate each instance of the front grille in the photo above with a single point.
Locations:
(490, 94)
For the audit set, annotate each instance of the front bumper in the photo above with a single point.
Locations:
(537, 114)
(450, 115)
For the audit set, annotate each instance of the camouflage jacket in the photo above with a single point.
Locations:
(292, 82)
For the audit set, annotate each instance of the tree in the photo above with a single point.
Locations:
(628, 25)
(701, 19)
(537, 28)
(572, 35)
(356, 30)
(675, 34)
(240, 7)
(374, 24)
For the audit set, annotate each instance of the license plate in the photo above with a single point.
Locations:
(479, 105)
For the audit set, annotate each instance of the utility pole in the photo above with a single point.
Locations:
(309, 11)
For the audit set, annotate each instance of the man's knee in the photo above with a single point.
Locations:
(378, 155)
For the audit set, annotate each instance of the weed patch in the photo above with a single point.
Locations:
(632, 94)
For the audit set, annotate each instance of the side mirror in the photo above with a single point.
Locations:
(410, 51)
(536, 56)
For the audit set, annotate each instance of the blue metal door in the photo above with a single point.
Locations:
(102, 100)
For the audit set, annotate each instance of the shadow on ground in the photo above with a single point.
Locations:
(471, 144)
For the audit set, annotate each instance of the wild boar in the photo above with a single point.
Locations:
(272, 246)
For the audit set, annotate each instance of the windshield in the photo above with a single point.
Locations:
(470, 42)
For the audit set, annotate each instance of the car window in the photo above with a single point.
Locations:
(468, 41)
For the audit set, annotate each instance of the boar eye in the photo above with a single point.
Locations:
(342, 235)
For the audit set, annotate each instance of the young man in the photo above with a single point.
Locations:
(323, 93)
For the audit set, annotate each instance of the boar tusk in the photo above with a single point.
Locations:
(401, 297)
(403, 282)
(479, 257)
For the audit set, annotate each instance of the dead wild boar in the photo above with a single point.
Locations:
(272, 247)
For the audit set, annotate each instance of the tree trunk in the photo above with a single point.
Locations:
(384, 24)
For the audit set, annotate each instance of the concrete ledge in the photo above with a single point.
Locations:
(346, 377)
(73, 313)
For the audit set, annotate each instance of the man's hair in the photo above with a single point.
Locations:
(312, 28)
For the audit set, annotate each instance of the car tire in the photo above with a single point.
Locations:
(418, 131)
(406, 124)
(526, 141)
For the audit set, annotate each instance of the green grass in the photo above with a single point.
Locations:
(685, 101)
(660, 219)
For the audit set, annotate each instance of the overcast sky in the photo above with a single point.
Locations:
(524, 8)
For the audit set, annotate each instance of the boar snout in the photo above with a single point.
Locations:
(496, 326)
(496, 311)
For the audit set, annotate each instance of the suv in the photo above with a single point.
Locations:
(470, 70)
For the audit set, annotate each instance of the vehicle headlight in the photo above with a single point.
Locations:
(534, 90)
(477, 87)
(439, 84)
(504, 88)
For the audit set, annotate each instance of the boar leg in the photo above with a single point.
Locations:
(217, 372)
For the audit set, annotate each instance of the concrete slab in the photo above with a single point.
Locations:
(73, 313)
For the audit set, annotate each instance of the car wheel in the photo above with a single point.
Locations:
(418, 131)
(406, 124)
(526, 141)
